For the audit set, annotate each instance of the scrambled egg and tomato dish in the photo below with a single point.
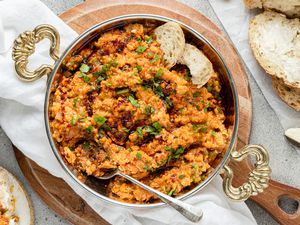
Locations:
(118, 106)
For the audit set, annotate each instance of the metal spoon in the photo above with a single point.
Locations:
(188, 211)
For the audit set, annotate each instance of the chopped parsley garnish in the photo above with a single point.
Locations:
(84, 68)
(122, 91)
(133, 101)
(196, 94)
(195, 166)
(213, 133)
(99, 120)
(73, 120)
(156, 57)
(149, 110)
(89, 129)
(209, 88)
(138, 155)
(157, 126)
(87, 79)
(113, 63)
(187, 75)
(125, 129)
(148, 39)
(203, 129)
(147, 167)
(75, 102)
(86, 146)
(168, 102)
(109, 83)
(181, 176)
(159, 73)
(139, 39)
(140, 49)
(139, 132)
(174, 153)
(139, 68)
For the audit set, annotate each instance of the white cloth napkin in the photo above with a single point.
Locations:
(235, 18)
(21, 117)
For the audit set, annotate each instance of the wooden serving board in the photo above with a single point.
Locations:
(60, 197)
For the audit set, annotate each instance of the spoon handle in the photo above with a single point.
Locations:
(188, 211)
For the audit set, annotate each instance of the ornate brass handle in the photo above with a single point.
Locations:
(258, 179)
(24, 46)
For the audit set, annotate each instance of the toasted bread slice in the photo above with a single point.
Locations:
(290, 8)
(171, 39)
(15, 200)
(200, 67)
(275, 42)
(289, 95)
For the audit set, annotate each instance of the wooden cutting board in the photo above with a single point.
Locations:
(61, 198)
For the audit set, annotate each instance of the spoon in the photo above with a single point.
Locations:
(188, 211)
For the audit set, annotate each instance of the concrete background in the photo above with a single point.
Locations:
(266, 130)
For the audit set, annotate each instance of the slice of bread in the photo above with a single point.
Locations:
(289, 7)
(171, 39)
(275, 42)
(200, 67)
(15, 200)
(289, 95)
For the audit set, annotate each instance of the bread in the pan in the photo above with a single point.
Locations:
(172, 41)
(289, 7)
(275, 42)
(199, 65)
(289, 95)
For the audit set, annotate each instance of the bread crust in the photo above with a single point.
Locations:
(291, 96)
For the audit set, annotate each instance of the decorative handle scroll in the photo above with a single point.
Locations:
(258, 179)
(24, 46)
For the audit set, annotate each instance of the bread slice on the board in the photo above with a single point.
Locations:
(14, 200)
(275, 42)
(171, 39)
(200, 67)
(289, 95)
(290, 8)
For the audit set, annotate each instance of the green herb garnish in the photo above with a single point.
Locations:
(89, 129)
(84, 68)
(133, 101)
(73, 120)
(159, 73)
(213, 133)
(181, 176)
(138, 155)
(125, 129)
(140, 49)
(139, 68)
(86, 146)
(149, 110)
(156, 57)
(100, 120)
(148, 39)
(196, 94)
(75, 102)
(187, 75)
(139, 132)
(113, 63)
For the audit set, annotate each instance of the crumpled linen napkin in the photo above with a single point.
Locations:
(235, 18)
(21, 117)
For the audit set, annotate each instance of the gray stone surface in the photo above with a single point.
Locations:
(266, 130)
